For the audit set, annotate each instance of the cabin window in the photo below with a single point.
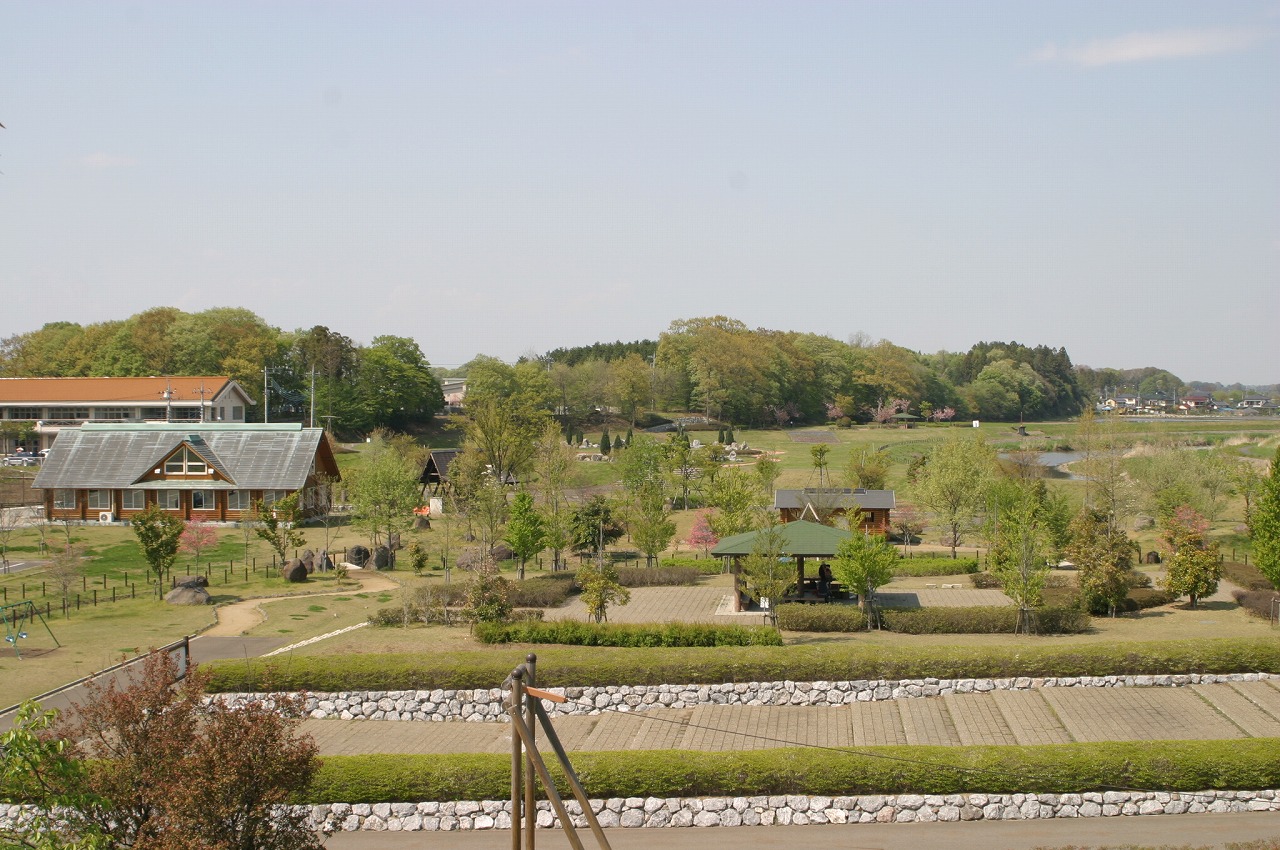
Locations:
(100, 500)
(203, 500)
(170, 500)
(133, 500)
(185, 462)
(65, 499)
(270, 497)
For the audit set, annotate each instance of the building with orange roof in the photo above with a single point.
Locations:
(36, 409)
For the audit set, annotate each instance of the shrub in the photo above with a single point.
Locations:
(985, 581)
(605, 634)
(1256, 602)
(582, 666)
(821, 618)
(935, 566)
(704, 566)
(659, 576)
(1247, 576)
(544, 591)
(1045, 769)
(991, 620)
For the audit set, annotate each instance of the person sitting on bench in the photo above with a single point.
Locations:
(824, 582)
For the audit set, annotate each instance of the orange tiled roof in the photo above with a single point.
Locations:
(89, 390)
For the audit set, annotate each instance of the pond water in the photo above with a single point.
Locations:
(1052, 460)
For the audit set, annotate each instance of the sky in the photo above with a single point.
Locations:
(507, 178)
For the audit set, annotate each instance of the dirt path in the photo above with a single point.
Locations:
(237, 618)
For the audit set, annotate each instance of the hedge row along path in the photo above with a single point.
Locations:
(236, 618)
(1044, 716)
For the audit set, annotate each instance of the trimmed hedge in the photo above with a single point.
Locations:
(821, 618)
(704, 566)
(1065, 768)
(1256, 602)
(982, 620)
(663, 575)
(583, 666)
(574, 633)
(935, 566)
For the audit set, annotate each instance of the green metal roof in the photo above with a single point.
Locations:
(800, 538)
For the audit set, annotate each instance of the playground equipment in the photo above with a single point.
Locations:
(18, 617)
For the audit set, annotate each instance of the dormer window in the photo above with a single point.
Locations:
(186, 462)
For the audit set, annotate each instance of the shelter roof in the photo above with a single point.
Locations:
(800, 538)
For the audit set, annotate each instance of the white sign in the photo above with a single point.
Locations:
(977, 424)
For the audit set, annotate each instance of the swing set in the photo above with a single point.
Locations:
(18, 617)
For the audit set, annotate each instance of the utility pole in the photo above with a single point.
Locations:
(266, 397)
(203, 392)
(313, 398)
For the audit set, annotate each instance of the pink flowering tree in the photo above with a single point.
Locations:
(701, 536)
(196, 538)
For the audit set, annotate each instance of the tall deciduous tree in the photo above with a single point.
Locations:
(1103, 556)
(385, 490)
(1018, 560)
(701, 536)
(864, 563)
(766, 577)
(1194, 565)
(954, 483)
(868, 470)
(196, 538)
(600, 589)
(525, 533)
(554, 471)
(1266, 525)
(158, 534)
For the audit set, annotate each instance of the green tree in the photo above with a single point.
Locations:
(868, 470)
(953, 484)
(525, 532)
(739, 501)
(1249, 484)
(158, 534)
(1194, 565)
(765, 575)
(396, 385)
(384, 490)
(593, 525)
(865, 562)
(651, 527)
(600, 589)
(488, 595)
(277, 525)
(1266, 525)
(605, 445)
(1102, 554)
(767, 470)
(36, 768)
(554, 470)
(1017, 559)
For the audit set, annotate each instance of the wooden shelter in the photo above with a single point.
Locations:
(800, 540)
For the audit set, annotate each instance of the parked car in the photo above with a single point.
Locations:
(23, 459)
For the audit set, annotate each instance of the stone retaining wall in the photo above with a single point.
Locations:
(655, 812)
(486, 704)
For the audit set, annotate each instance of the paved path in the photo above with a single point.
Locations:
(1179, 831)
(1045, 716)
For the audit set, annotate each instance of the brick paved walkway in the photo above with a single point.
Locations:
(1046, 716)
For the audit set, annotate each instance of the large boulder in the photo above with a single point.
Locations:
(188, 594)
(308, 558)
(422, 522)
(294, 571)
(501, 552)
(324, 563)
(192, 581)
(358, 555)
(382, 558)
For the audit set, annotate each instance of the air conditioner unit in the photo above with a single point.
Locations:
(106, 516)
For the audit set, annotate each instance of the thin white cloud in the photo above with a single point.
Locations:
(1146, 46)
(106, 160)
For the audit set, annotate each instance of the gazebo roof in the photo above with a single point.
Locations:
(800, 538)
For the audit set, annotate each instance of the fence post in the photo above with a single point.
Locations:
(95, 597)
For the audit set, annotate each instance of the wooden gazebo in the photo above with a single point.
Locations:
(800, 539)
